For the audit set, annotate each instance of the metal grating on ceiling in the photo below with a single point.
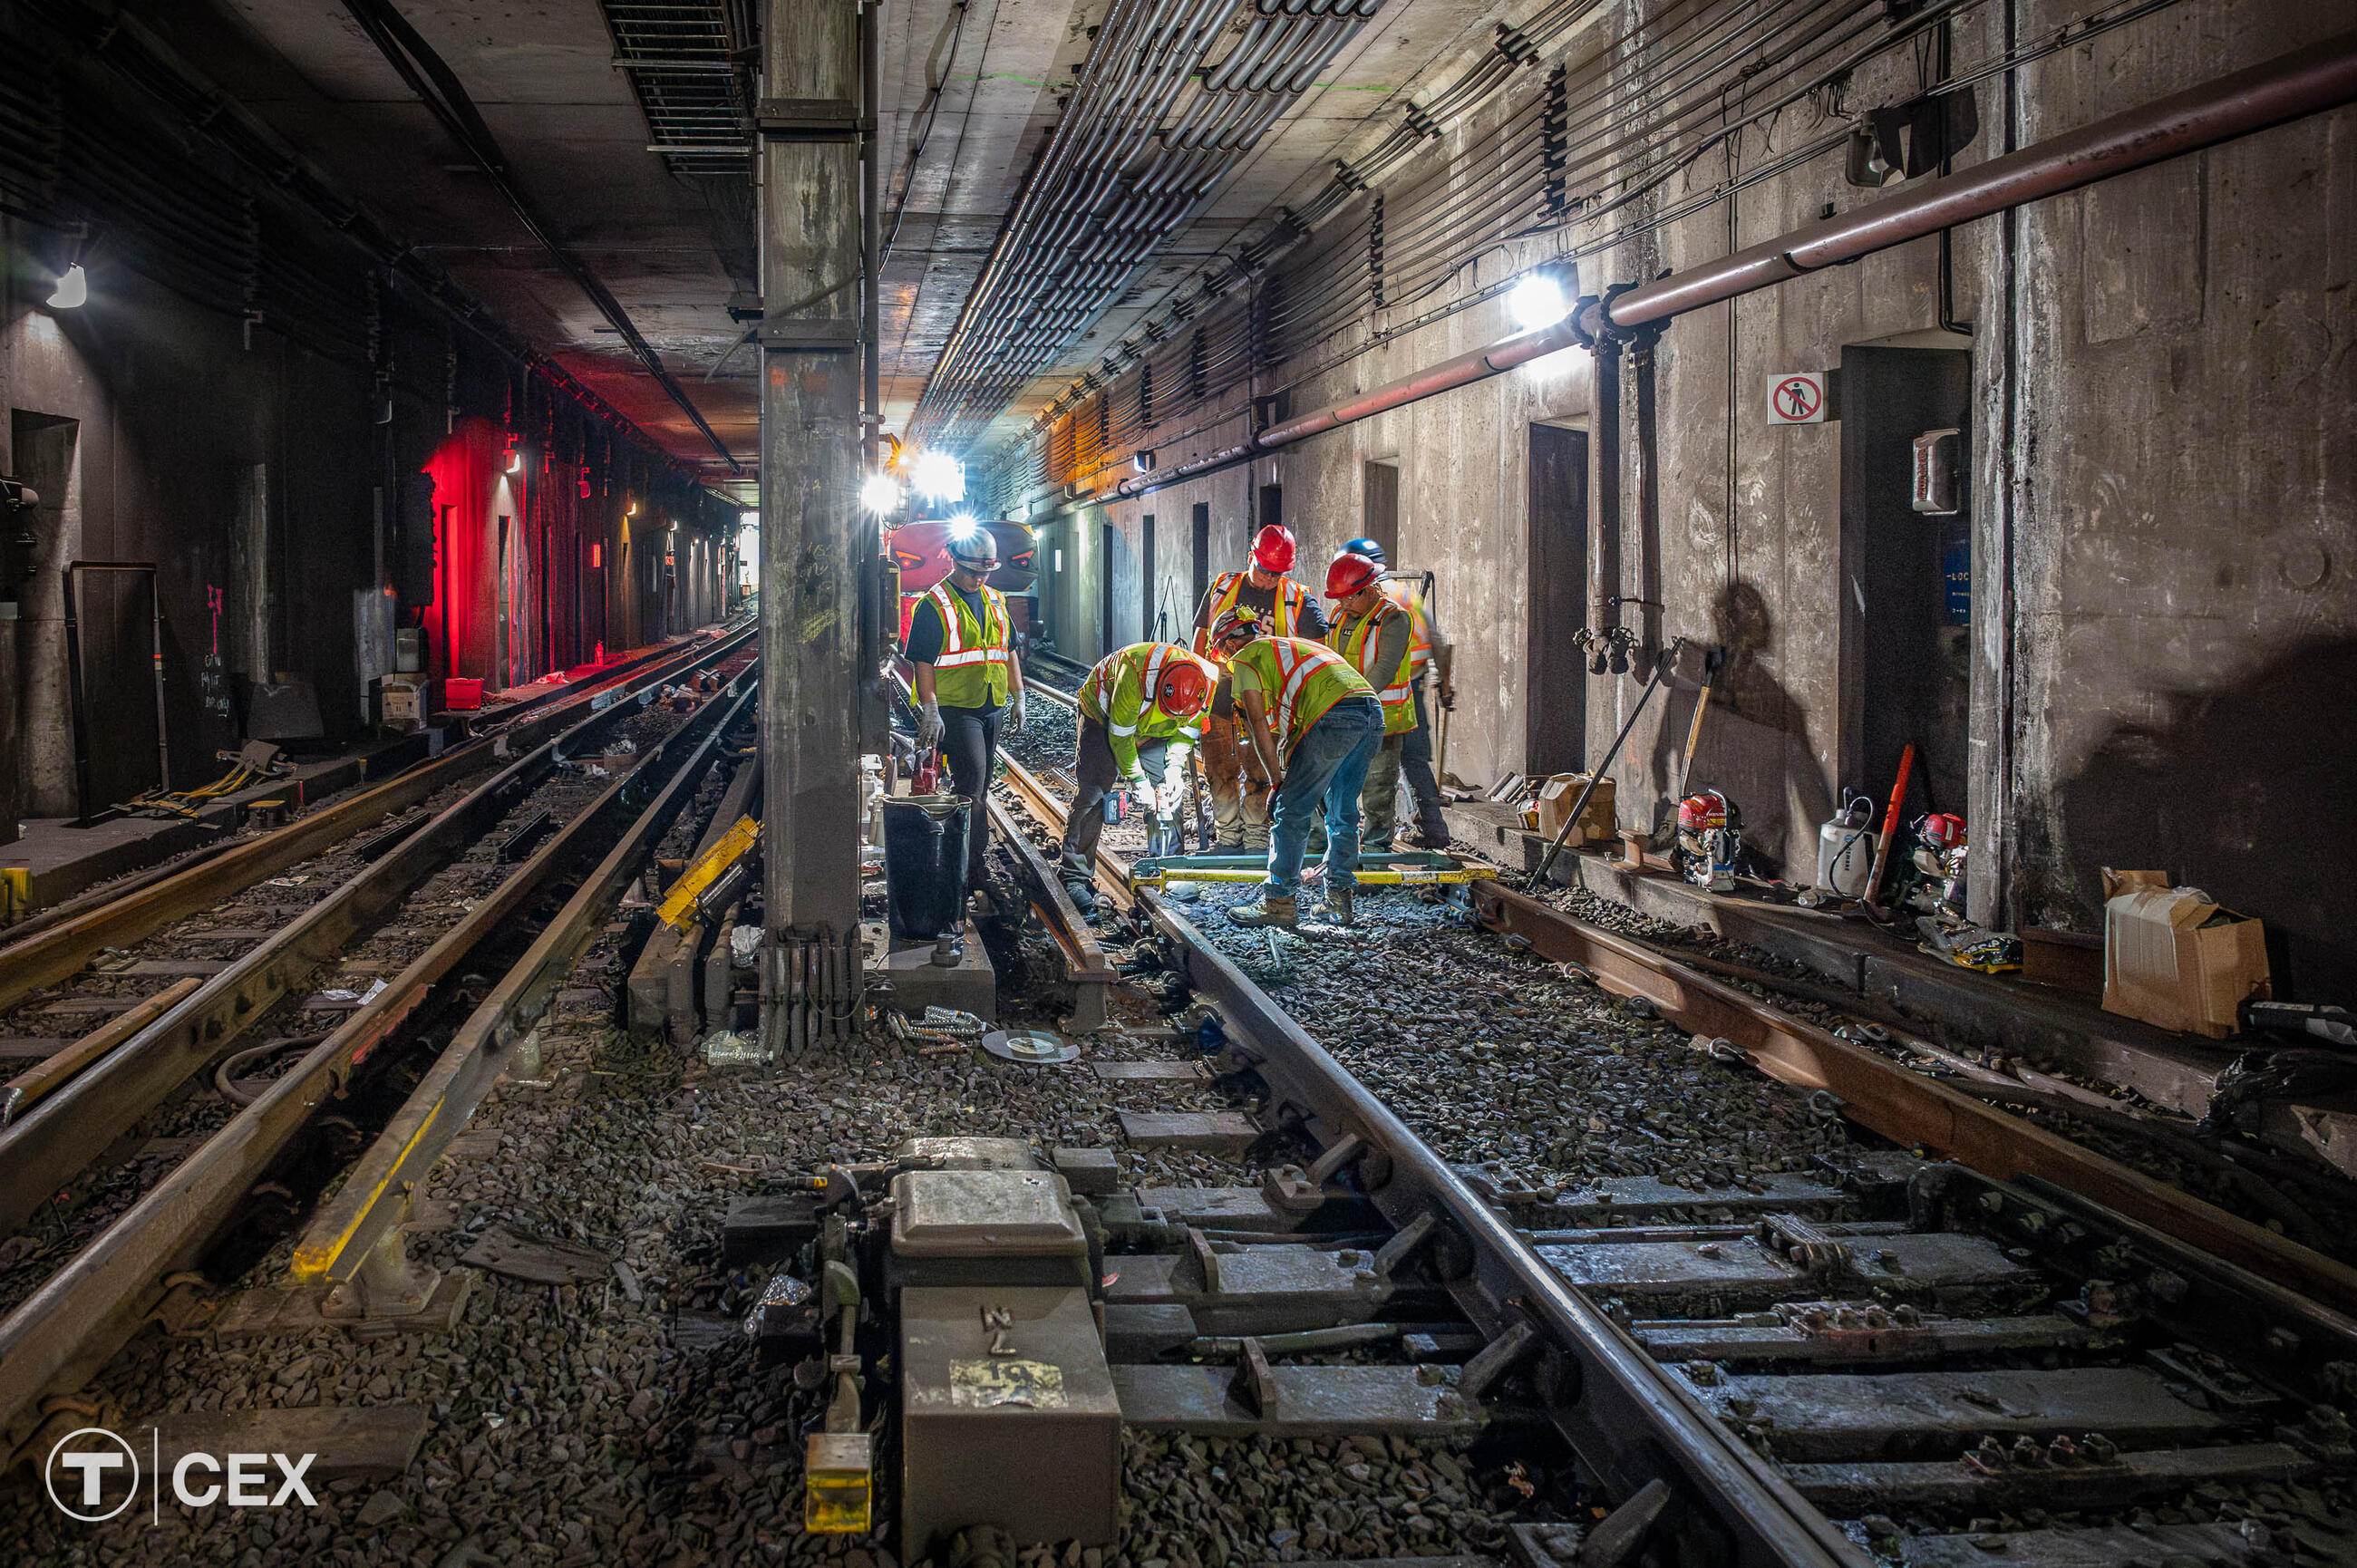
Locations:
(687, 60)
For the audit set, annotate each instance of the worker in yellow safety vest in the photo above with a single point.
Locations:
(1142, 712)
(1373, 633)
(1429, 655)
(1314, 723)
(968, 682)
(1239, 792)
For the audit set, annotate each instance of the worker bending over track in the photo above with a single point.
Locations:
(1141, 713)
(1239, 791)
(968, 678)
(1429, 653)
(1326, 726)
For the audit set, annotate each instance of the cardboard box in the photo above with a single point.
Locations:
(1596, 824)
(2176, 960)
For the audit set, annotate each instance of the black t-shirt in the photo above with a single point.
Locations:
(927, 636)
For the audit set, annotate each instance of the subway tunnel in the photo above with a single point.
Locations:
(1173, 783)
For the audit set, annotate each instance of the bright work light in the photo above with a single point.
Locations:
(1538, 301)
(879, 493)
(939, 477)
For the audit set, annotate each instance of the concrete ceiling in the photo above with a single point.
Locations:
(671, 247)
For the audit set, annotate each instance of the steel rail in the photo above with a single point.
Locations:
(1906, 1106)
(1630, 1419)
(62, 1134)
(73, 1324)
(377, 1193)
(60, 949)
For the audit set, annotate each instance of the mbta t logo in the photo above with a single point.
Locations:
(94, 1475)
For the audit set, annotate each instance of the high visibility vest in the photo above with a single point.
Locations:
(1419, 627)
(1120, 694)
(1360, 644)
(1299, 680)
(1291, 600)
(972, 670)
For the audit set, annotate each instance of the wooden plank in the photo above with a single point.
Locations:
(1150, 1072)
(1311, 1402)
(1847, 1490)
(373, 1441)
(2212, 1545)
(535, 1258)
(1229, 1132)
(1831, 1415)
(32, 1048)
(175, 967)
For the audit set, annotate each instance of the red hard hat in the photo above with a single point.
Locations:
(1708, 809)
(1273, 548)
(1349, 574)
(1941, 830)
(1184, 689)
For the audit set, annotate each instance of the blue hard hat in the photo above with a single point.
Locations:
(1368, 548)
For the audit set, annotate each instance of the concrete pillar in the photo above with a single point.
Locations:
(810, 202)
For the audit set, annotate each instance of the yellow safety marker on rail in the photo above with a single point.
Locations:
(709, 870)
(1384, 871)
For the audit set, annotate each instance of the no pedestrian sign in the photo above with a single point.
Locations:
(1797, 397)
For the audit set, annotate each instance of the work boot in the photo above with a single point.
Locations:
(1433, 835)
(1339, 907)
(1077, 884)
(1269, 910)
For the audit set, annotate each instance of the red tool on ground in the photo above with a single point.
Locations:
(1889, 830)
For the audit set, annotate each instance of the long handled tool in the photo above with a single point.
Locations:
(1889, 830)
(1712, 660)
(1202, 792)
(1660, 672)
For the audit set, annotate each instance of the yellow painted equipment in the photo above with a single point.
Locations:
(709, 869)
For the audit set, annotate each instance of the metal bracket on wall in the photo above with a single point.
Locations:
(810, 335)
(811, 120)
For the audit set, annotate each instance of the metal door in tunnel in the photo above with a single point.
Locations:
(114, 648)
(1906, 657)
(1555, 694)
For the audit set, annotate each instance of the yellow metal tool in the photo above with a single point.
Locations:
(709, 870)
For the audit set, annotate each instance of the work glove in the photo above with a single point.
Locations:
(1449, 698)
(928, 725)
(1015, 711)
(1142, 793)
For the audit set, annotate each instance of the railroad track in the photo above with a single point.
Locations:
(2020, 1352)
(505, 878)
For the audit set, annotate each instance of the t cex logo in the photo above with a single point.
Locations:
(93, 1474)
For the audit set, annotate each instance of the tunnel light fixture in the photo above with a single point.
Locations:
(878, 494)
(1538, 301)
(73, 291)
(939, 477)
(515, 459)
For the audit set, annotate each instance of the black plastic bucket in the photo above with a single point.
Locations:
(924, 864)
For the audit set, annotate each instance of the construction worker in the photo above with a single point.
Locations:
(1431, 654)
(1239, 792)
(969, 681)
(1142, 712)
(1314, 723)
(1371, 632)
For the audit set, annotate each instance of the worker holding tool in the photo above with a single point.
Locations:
(1313, 724)
(1373, 633)
(1239, 792)
(1141, 713)
(1429, 655)
(968, 682)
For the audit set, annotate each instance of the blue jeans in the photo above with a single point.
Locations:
(1327, 769)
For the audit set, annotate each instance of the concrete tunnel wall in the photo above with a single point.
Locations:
(2160, 485)
(255, 461)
